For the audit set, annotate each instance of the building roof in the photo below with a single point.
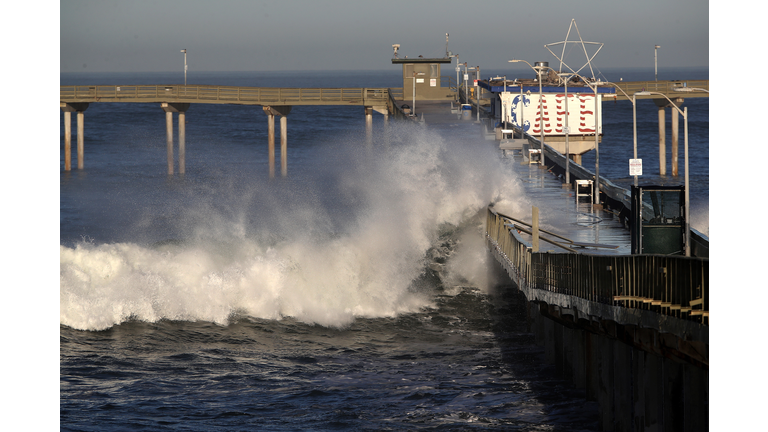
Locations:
(421, 60)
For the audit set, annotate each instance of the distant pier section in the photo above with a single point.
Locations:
(178, 99)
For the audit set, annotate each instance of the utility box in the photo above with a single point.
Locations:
(657, 222)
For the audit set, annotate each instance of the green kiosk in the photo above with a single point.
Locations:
(658, 220)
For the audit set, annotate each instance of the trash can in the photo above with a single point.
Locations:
(466, 110)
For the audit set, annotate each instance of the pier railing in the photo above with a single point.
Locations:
(225, 95)
(668, 285)
(682, 88)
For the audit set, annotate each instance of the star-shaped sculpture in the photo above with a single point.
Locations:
(583, 46)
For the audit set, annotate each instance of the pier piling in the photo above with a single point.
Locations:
(68, 109)
(271, 112)
(169, 109)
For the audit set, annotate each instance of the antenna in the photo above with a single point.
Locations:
(447, 53)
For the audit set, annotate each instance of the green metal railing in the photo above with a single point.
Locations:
(225, 95)
(669, 285)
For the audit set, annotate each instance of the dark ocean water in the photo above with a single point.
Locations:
(352, 295)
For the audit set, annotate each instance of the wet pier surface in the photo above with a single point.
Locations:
(563, 214)
(560, 211)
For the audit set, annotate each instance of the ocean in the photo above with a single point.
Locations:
(354, 294)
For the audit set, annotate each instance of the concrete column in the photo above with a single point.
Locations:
(549, 337)
(650, 380)
(662, 142)
(559, 348)
(675, 135)
(579, 365)
(68, 109)
(169, 139)
(170, 108)
(622, 387)
(271, 144)
(568, 343)
(67, 141)
(80, 139)
(696, 382)
(606, 380)
(283, 146)
(592, 363)
(369, 125)
(271, 112)
(182, 144)
(674, 406)
(639, 390)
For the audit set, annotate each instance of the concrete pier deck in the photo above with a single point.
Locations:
(559, 210)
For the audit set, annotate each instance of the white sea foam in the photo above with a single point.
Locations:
(347, 243)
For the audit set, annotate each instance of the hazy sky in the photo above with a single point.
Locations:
(265, 35)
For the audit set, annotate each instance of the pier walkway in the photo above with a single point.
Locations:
(631, 330)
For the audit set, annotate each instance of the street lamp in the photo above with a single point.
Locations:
(566, 77)
(684, 113)
(596, 199)
(656, 61)
(538, 69)
(185, 66)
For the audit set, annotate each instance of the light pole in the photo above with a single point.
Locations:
(656, 61)
(538, 70)
(185, 66)
(634, 118)
(566, 77)
(458, 100)
(596, 199)
(684, 113)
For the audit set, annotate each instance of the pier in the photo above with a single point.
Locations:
(630, 329)
(179, 98)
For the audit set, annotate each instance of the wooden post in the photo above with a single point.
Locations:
(169, 139)
(182, 144)
(67, 141)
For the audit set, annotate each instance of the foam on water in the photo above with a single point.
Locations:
(325, 247)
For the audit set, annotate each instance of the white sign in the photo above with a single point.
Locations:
(635, 167)
(419, 80)
(433, 82)
(475, 83)
(466, 77)
(525, 109)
